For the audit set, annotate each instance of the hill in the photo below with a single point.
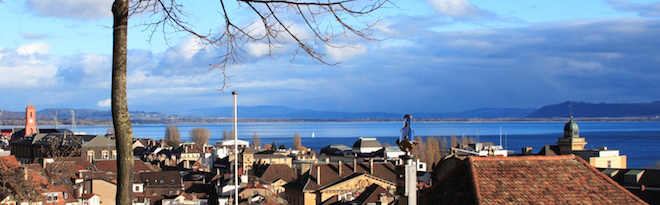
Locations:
(291, 113)
(583, 109)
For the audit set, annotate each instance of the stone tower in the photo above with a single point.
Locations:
(30, 120)
(571, 140)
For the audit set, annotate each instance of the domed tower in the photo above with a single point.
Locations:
(571, 140)
(571, 129)
(30, 120)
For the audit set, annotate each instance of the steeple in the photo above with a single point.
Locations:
(30, 120)
(571, 140)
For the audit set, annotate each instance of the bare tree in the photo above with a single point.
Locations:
(443, 145)
(464, 141)
(453, 141)
(432, 151)
(173, 135)
(418, 151)
(17, 183)
(326, 20)
(654, 165)
(256, 142)
(297, 141)
(200, 135)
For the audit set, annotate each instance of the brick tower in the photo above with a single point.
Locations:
(30, 120)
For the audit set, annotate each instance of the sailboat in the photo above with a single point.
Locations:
(312, 134)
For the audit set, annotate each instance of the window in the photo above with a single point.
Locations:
(90, 155)
(114, 154)
(609, 163)
(162, 181)
(105, 154)
(171, 192)
(172, 181)
(137, 189)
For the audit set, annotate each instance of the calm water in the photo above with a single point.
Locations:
(640, 141)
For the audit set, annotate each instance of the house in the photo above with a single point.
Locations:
(89, 199)
(325, 181)
(276, 175)
(163, 183)
(184, 199)
(572, 143)
(644, 183)
(564, 179)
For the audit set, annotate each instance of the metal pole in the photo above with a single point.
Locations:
(235, 151)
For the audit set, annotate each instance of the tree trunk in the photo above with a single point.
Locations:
(120, 117)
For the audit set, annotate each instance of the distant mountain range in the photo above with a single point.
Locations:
(224, 114)
(286, 112)
(583, 109)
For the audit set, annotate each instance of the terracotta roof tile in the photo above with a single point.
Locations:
(111, 166)
(273, 172)
(565, 179)
(330, 174)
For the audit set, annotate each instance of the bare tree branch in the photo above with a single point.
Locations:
(326, 20)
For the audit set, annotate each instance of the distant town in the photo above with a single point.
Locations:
(59, 166)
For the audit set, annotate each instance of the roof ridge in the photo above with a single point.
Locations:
(608, 179)
(522, 158)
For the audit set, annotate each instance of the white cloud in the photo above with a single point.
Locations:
(104, 103)
(39, 47)
(257, 49)
(346, 53)
(645, 10)
(188, 47)
(79, 9)
(460, 9)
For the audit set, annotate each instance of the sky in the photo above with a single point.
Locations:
(436, 56)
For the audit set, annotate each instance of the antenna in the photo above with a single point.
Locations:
(74, 128)
(0, 118)
(570, 106)
(55, 114)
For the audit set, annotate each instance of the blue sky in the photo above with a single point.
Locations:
(440, 56)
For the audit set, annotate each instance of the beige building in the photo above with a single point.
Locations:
(325, 183)
(572, 143)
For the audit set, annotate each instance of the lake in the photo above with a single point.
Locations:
(639, 141)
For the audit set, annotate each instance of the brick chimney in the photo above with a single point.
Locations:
(371, 166)
(354, 165)
(339, 167)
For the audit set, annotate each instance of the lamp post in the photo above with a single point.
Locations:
(235, 150)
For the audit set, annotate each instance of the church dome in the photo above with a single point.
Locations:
(571, 129)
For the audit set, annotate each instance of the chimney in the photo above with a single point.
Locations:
(527, 151)
(382, 199)
(327, 160)
(339, 167)
(354, 165)
(371, 166)
(318, 175)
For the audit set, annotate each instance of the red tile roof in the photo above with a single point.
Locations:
(330, 175)
(111, 166)
(273, 172)
(8, 162)
(564, 179)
